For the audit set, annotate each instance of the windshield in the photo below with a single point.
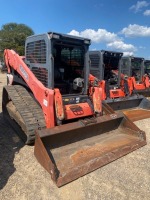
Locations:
(147, 65)
(147, 68)
(68, 65)
(136, 64)
(110, 63)
(111, 68)
(136, 67)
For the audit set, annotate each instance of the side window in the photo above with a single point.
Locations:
(36, 52)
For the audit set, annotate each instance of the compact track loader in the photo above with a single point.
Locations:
(120, 89)
(53, 94)
(136, 69)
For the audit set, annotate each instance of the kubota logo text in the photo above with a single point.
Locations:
(24, 73)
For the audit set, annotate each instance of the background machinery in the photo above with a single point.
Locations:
(120, 88)
(136, 69)
(105, 65)
(52, 93)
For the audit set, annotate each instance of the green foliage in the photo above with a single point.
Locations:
(13, 36)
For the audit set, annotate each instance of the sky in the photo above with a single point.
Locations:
(115, 25)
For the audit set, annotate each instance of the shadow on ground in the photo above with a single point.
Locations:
(10, 144)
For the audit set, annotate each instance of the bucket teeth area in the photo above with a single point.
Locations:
(72, 153)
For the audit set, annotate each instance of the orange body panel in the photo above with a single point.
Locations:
(102, 85)
(130, 85)
(59, 111)
(77, 110)
(116, 93)
(138, 86)
(147, 81)
(97, 100)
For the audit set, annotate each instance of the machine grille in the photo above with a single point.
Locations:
(94, 67)
(41, 74)
(95, 58)
(36, 52)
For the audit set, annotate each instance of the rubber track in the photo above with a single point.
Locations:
(29, 110)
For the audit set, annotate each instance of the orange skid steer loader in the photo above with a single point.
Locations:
(118, 85)
(136, 69)
(51, 93)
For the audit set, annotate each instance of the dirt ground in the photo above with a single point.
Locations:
(22, 177)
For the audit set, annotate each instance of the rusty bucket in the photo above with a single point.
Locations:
(135, 107)
(72, 150)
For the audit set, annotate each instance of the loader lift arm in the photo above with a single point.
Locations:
(42, 94)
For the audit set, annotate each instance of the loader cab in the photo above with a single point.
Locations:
(105, 65)
(112, 63)
(147, 67)
(133, 67)
(59, 61)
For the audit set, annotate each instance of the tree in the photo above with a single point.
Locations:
(13, 36)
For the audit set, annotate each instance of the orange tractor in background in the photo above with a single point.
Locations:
(52, 93)
(105, 65)
(118, 80)
(134, 68)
